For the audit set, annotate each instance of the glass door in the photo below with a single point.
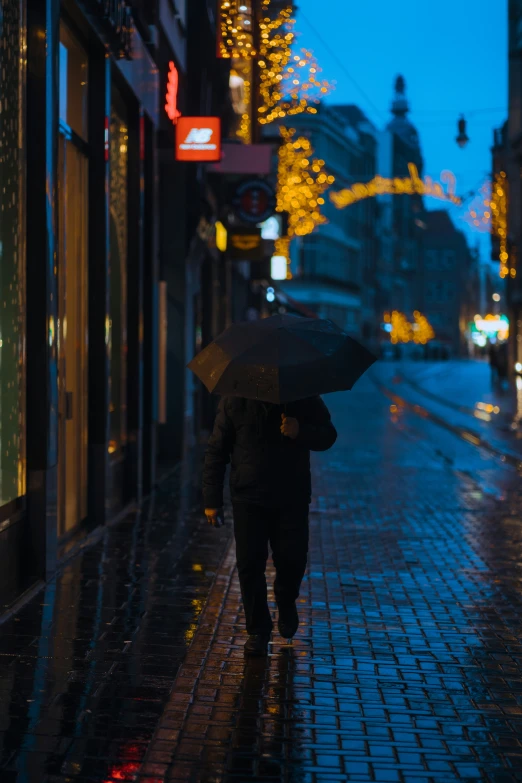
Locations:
(73, 285)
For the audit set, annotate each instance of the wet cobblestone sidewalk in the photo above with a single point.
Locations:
(407, 665)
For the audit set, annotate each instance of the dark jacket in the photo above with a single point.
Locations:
(267, 468)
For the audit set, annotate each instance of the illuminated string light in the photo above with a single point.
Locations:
(288, 82)
(236, 29)
(244, 131)
(478, 215)
(403, 331)
(379, 186)
(301, 181)
(499, 221)
(422, 330)
(241, 95)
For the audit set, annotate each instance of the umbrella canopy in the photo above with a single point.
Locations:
(281, 359)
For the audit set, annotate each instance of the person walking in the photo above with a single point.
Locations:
(493, 361)
(269, 447)
(502, 362)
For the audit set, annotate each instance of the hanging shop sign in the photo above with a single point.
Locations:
(245, 245)
(254, 201)
(198, 138)
(380, 186)
(116, 16)
(171, 98)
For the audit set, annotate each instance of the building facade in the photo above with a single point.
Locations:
(365, 222)
(330, 266)
(401, 216)
(110, 279)
(449, 290)
(506, 166)
(78, 278)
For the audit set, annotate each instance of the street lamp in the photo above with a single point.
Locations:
(462, 138)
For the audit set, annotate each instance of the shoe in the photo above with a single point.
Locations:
(288, 622)
(256, 645)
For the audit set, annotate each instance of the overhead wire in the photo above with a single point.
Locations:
(341, 65)
(379, 112)
(468, 113)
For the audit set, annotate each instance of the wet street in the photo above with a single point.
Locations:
(408, 661)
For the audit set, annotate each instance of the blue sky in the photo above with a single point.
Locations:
(453, 55)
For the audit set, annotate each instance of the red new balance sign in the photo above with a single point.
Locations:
(198, 138)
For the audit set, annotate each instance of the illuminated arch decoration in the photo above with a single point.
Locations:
(381, 186)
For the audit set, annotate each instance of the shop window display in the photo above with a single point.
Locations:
(12, 288)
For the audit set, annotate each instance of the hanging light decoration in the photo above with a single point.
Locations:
(499, 221)
(301, 181)
(422, 329)
(462, 138)
(478, 214)
(236, 29)
(288, 82)
(403, 331)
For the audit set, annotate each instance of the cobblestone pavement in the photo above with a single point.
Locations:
(408, 661)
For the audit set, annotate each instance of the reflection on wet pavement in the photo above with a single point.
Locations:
(408, 661)
(86, 668)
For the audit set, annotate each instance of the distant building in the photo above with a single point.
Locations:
(366, 224)
(401, 216)
(448, 296)
(331, 266)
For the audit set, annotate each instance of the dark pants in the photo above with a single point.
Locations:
(287, 532)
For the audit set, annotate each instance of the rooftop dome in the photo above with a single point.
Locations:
(400, 108)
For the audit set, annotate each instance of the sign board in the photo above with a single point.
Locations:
(198, 138)
(254, 201)
(490, 325)
(245, 245)
(171, 98)
(252, 159)
(278, 268)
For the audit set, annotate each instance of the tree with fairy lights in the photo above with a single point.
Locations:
(289, 84)
(288, 81)
(301, 182)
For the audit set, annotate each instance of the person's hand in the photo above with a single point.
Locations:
(213, 516)
(289, 427)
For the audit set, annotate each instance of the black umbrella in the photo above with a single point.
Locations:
(281, 359)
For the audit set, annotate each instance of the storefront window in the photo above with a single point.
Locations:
(72, 222)
(73, 83)
(118, 275)
(12, 288)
